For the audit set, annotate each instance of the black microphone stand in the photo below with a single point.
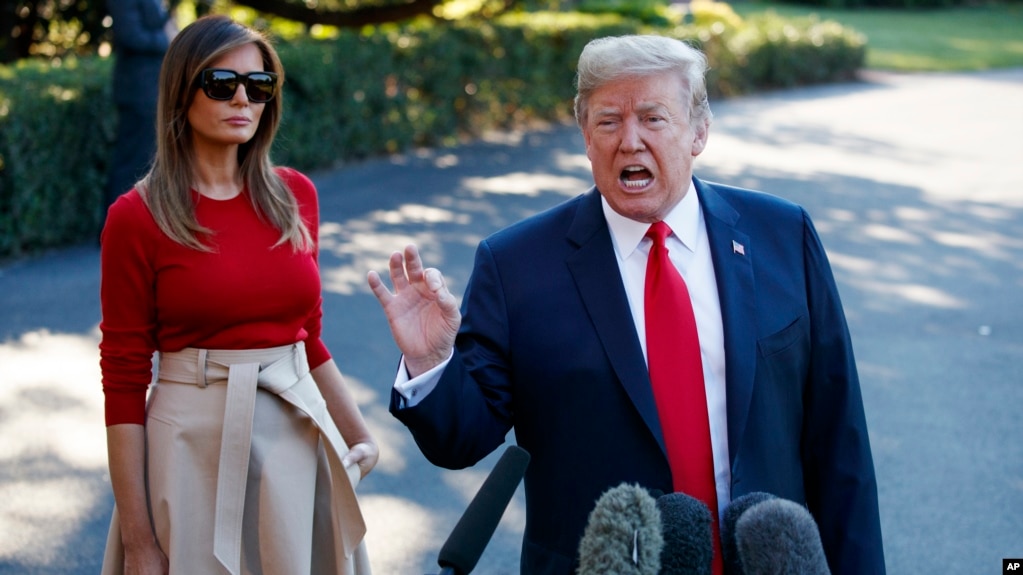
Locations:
(467, 540)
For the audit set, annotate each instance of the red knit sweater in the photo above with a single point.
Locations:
(157, 294)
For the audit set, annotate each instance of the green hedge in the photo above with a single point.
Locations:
(377, 91)
(56, 126)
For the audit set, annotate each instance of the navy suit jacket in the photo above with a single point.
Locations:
(548, 347)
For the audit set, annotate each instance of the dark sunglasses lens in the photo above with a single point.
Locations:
(260, 87)
(220, 84)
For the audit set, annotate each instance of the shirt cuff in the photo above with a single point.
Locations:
(416, 389)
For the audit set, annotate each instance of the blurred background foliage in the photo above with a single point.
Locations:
(58, 27)
(370, 77)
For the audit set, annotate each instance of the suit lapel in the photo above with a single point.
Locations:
(608, 306)
(732, 255)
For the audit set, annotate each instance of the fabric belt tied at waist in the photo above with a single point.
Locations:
(276, 370)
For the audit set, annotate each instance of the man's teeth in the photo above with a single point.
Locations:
(630, 183)
(636, 183)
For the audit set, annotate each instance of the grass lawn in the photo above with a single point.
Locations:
(949, 39)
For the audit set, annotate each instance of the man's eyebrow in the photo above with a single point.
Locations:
(647, 107)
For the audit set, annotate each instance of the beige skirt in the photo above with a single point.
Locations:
(244, 471)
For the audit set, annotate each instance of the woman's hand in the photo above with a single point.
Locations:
(364, 454)
(347, 417)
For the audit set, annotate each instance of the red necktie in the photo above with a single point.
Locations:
(676, 373)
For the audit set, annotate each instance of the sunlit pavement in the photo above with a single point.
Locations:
(915, 184)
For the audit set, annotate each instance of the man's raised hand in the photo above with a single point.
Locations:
(422, 313)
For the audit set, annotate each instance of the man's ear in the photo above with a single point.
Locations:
(700, 133)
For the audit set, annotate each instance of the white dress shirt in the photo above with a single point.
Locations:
(689, 249)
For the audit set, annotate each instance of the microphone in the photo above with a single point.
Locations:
(688, 539)
(474, 529)
(622, 535)
(733, 511)
(779, 537)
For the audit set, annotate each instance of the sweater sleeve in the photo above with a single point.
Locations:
(127, 299)
(308, 202)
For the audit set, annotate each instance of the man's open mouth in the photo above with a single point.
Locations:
(636, 177)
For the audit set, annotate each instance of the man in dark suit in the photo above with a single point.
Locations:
(142, 30)
(552, 338)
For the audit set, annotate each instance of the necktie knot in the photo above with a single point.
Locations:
(658, 232)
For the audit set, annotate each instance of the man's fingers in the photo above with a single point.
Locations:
(434, 279)
(446, 300)
(396, 265)
(376, 284)
(406, 269)
(413, 264)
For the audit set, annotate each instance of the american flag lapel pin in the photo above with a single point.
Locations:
(738, 248)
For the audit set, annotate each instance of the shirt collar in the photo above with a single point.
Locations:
(683, 219)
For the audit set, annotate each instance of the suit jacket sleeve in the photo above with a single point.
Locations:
(839, 473)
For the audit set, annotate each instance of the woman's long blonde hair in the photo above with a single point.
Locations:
(167, 187)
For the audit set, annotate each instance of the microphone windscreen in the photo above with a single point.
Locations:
(622, 535)
(733, 511)
(779, 537)
(688, 538)
(474, 529)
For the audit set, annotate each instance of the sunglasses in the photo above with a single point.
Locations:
(221, 84)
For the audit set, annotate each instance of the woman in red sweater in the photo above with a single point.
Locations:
(247, 454)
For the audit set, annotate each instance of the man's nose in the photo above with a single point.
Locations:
(632, 137)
